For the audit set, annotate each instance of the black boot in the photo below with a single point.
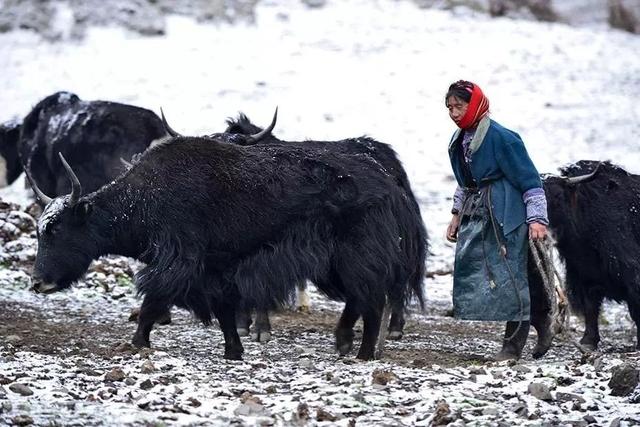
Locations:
(543, 327)
(515, 337)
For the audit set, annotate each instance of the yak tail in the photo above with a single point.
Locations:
(420, 241)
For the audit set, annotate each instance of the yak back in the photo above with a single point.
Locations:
(380, 152)
(92, 135)
(208, 205)
(597, 227)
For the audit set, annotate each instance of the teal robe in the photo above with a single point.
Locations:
(488, 285)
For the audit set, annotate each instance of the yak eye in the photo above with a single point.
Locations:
(51, 229)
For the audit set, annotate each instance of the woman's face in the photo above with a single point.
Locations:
(457, 108)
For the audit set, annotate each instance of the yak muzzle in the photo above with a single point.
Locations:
(41, 287)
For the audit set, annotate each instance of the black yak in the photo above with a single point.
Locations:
(594, 212)
(93, 135)
(216, 222)
(242, 131)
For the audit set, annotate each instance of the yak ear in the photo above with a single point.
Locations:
(82, 209)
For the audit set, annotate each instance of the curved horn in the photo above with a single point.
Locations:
(44, 199)
(76, 188)
(264, 132)
(168, 128)
(126, 164)
(581, 178)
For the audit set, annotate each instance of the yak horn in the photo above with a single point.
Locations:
(76, 188)
(168, 128)
(258, 136)
(126, 164)
(43, 198)
(581, 178)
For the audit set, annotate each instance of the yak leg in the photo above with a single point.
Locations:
(634, 311)
(303, 302)
(151, 311)
(396, 324)
(541, 310)
(591, 336)
(344, 330)
(243, 318)
(225, 313)
(262, 326)
(371, 318)
(232, 345)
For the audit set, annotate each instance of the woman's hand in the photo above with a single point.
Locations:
(452, 229)
(537, 231)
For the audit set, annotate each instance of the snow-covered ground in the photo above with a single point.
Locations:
(351, 68)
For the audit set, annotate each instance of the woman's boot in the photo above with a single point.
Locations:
(515, 337)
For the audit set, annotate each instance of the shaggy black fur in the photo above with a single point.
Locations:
(381, 152)
(9, 136)
(597, 226)
(92, 135)
(215, 222)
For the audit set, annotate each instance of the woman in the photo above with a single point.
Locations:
(498, 204)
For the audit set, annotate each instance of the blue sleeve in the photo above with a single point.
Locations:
(515, 163)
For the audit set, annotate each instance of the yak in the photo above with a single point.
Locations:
(217, 222)
(239, 131)
(93, 135)
(594, 212)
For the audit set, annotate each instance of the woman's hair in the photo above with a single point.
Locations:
(461, 89)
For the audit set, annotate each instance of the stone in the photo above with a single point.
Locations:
(477, 370)
(22, 420)
(383, 377)
(540, 391)
(20, 389)
(14, 340)
(562, 397)
(624, 379)
(521, 369)
(147, 367)
(146, 384)
(324, 415)
(116, 374)
(590, 419)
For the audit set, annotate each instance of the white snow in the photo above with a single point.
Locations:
(351, 68)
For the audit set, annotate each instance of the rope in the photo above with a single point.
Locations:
(541, 252)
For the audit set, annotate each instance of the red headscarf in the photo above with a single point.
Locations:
(477, 109)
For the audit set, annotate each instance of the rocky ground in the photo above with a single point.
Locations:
(65, 359)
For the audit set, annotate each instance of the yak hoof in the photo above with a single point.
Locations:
(395, 335)
(344, 341)
(140, 342)
(365, 355)
(261, 336)
(304, 309)
(344, 349)
(165, 319)
(233, 355)
(588, 344)
(539, 350)
(243, 332)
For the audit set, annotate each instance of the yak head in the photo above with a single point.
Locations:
(567, 191)
(240, 132)
(65, 244)
(10, 165)
(242, 127)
